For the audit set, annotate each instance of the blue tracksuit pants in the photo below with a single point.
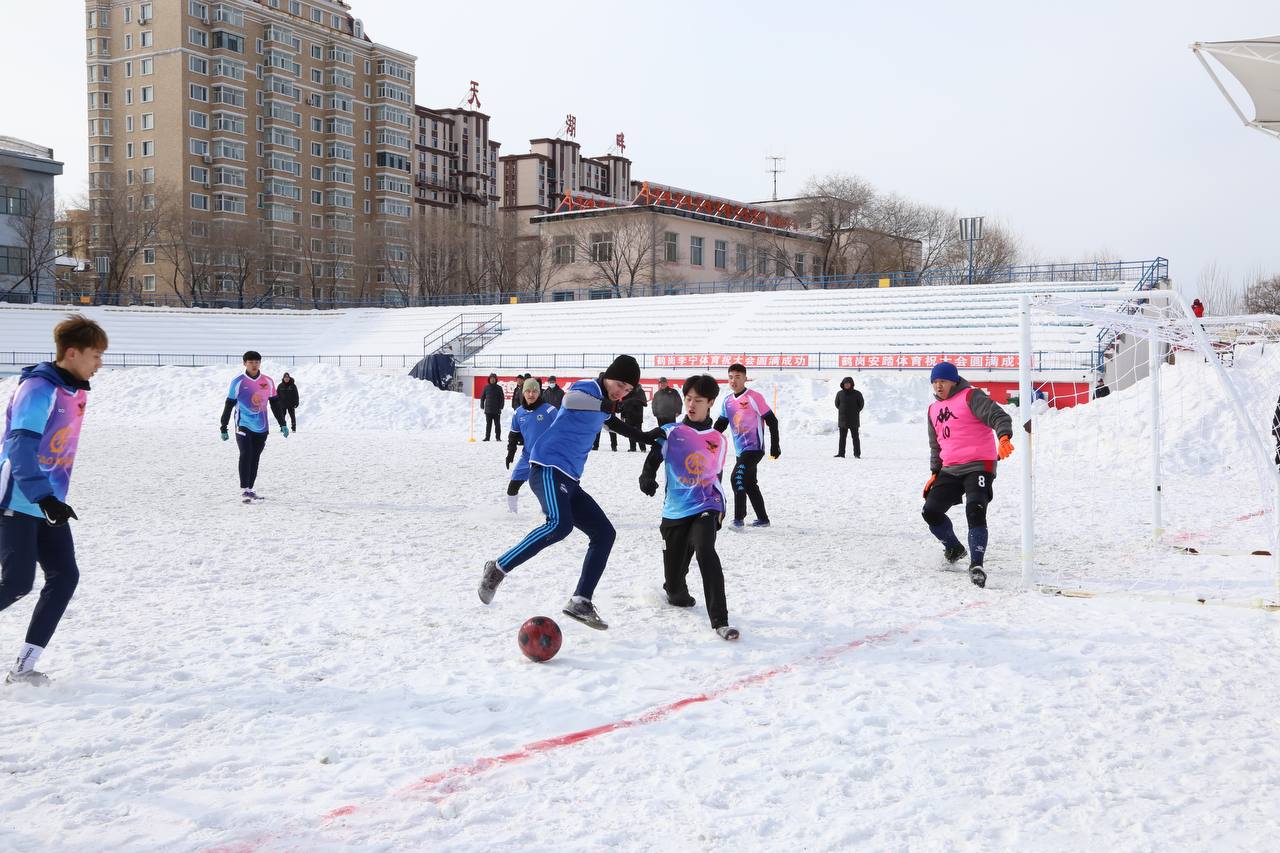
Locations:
(566, 506)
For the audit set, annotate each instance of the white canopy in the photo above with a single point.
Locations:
(1256, 64)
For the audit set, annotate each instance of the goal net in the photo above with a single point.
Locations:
(1152, 465)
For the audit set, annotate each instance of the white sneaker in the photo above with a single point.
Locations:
(30, 676)
(728, 632)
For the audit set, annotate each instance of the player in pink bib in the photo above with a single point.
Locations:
(747, 414)
(963, 454)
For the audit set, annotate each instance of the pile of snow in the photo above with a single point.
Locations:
(332, 398)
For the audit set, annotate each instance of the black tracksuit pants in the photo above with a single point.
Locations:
(250, 444)
(745, 485)
(683, 538)
(24, 541)
(494, 424)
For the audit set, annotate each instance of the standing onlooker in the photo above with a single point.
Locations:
(553, 394)
(633, 406)
(849, 405)
(492, 399)
(517, 393)
(1197, 308)
(666, 403)
(287, 391)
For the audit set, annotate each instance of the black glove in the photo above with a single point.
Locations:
(509, 458)
(775, 451)
(654, 434)
(649, 485)
(56, 512)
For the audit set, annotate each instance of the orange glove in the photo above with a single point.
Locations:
(1006, 447)
(933, 478)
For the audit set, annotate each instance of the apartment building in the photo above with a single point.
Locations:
(276, 127)
(457, 166)
(533, 184)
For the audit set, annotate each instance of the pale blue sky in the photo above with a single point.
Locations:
(1086, 127)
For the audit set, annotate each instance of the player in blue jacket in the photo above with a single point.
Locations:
(41, 432)
(692, 453)
(555, 468)
(528, 423)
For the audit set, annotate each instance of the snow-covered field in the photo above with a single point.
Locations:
(316, 673)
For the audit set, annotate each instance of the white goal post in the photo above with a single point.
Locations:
(1205, 435)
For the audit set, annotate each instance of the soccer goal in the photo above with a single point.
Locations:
(1150, 467)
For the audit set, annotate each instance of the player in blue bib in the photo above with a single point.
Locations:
(529, 421)
(693, 454)
(556, 460)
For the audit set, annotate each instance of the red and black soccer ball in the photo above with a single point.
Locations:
(539, 639)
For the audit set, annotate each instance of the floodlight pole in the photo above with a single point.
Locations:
(971, 232)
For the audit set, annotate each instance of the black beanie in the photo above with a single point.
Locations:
(624, 369)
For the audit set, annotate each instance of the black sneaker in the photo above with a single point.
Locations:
(585, 612)
(954, 553)
(680, 599)
(978, 576)
(489, 581)
(760, 522)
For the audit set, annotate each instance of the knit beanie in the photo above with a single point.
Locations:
(624, 369)
(944, 370)
(531, 385)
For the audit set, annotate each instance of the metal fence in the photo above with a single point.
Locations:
(1153, 270)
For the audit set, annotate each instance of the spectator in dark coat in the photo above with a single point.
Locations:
(1197, 308)
(633, 406)
(492, 400)
(613, 436)
(553, 393)
(849, 405)
(666, 403)
(517, 395)
(287, 394)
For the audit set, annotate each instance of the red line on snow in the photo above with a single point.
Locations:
(443, 783)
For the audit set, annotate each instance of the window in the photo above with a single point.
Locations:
(144, 13)
(128, 96)
(563, 251)
(198, 119)
(128, 150)
(601, 247)
(227, 149)
(13, 261)
(200, 175)
(200, 147)
(148, 148)
(224, 67)
(762, 262)
(199, 201)
(145, 39)
(146, 67)
(722, 254)
(198, 64)
(128, 14)
(780, 263)
(744, 260)
(13, 201)
(317, 16)
(317, 52)
(148, 94)
(148, 256)
(695, 251)
(800, 265)
(228, 203)
(149, 175)
(199, 10)
(317, 197)
(199, 93)
(670, 246)
(223, 40)
(148, 121)
(198, 37)
(128, 70)
(149, 283)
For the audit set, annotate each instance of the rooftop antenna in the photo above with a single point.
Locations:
(776, 169)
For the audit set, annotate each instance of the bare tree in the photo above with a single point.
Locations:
(183, 242)
(1262, 296)
(122, 224)
(835, 208)
(1216, 288)
(618, 252)
(998, 250)
(236, 249)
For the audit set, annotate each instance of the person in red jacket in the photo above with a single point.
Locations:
(1197, 308)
